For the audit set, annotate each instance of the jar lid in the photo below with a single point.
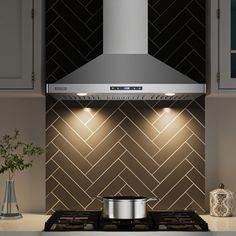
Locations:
(221, 190)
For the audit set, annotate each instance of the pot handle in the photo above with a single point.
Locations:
(152, 199)
(99, 198)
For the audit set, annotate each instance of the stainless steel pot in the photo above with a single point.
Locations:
(124, 207)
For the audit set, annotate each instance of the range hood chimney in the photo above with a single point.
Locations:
(125, 71)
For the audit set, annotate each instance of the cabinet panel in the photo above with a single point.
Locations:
(16, 44)
(227, 44)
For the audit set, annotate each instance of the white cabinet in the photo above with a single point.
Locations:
(21, 46)
(227, 44)
(221, 46)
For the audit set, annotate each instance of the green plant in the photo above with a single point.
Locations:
(16, 155)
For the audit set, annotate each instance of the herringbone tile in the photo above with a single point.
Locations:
(67, 149)
(136, 151)
(134, 132)
(51, 117)
(51, 183)
(197, 145)
(51, 151)
(135, 183)
(173, 128)
(172, 162)
(73, 138)
(173, 195)
(172, 146)
(139, 120)
(127, 191)
(50, 168)
(111, 123)
(75, 173)
(172, 179)
(196, 195)
(72, 120)
(182, 203)
(197, 179)
(67, 199)
(131, 163)
(51, 200)
(106, 177)
(75, 190)
(177, 35)
(51, 133)
(120, 158)
(114, 187)
(105, 162)
(197, 162)
(105, 145)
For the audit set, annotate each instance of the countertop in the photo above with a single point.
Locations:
(29, 222)
(35, 223)
(220, 223)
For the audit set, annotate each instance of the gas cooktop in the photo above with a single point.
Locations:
(62, 221)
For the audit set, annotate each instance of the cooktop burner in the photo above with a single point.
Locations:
(179, 221)
(155, 221)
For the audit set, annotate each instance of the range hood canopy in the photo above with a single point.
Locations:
(125, 71)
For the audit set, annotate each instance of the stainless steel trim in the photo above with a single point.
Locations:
(125, 29)
(147, 88)
(148, 92)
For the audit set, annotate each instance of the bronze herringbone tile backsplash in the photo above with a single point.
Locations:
(147, 148)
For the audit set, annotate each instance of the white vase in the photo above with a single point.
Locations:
(10, 209)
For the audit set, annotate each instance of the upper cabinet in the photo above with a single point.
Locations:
(227, 44)
(20, 45)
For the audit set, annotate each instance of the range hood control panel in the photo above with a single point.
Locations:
(127, 88)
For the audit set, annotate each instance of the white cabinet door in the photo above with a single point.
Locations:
(16, 44)
(227, 44)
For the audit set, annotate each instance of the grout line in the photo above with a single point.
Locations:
(102, 159)
(102, 155)
(136, 176)
(70, 144)
(193, 201)
(141, 163)
(195, 167)
(185, 142)
(69, 194)
(180, 197)
(102, 175)
(195, 185)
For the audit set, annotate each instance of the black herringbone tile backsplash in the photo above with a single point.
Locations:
(73, 35)
(177, 35)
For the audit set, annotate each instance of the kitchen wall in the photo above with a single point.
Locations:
(27, 114)
(140, 148)
(220, 142)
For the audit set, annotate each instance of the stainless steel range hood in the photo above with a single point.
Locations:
(125, 71)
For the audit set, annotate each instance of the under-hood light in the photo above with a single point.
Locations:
(82, 94)
(170, 94)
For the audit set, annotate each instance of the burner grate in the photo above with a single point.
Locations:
(73, 221)
(145, 224)
(155, 221)
(178, 221)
